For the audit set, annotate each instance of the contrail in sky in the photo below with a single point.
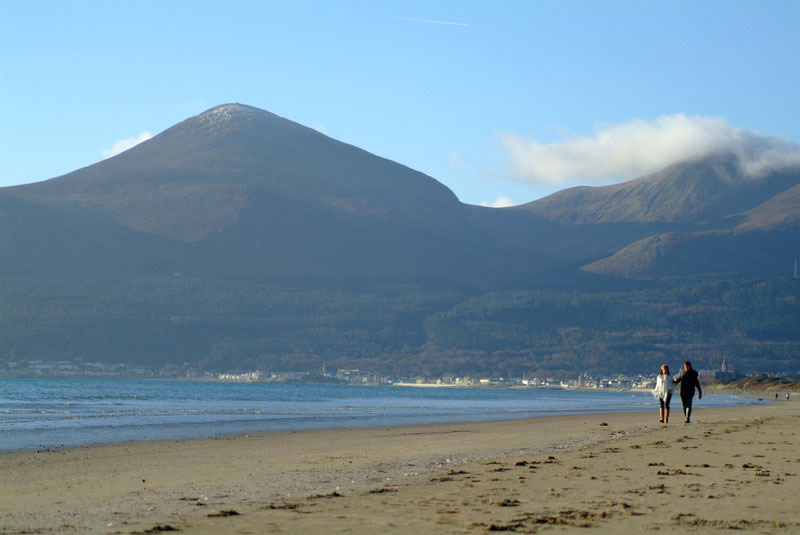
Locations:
(429, 21)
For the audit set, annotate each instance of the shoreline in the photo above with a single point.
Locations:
(753, 391)
(401, 479)
(40, 448)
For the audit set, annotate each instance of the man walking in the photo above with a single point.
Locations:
(689, 381)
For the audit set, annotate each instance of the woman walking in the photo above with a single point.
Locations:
(663, 391)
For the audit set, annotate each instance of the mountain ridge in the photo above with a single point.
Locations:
(217, 155)
(704, 213)
(261, 196)
(693, 192)
(238, 238)
(272, 193)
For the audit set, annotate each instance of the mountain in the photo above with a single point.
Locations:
(210, 166)
(238, 191)
(240, 239)
(708, 191)
(706, 216)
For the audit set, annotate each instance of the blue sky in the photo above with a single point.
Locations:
(507, 100)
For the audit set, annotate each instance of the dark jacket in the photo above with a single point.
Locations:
(689, 381)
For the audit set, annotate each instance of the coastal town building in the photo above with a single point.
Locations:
(82, 368)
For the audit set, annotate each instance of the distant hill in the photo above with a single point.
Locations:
(240, 238)
(759, 383)
(781, 211)
(709, 217)
(709, 192)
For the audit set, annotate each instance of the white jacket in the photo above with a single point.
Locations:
(664, 386)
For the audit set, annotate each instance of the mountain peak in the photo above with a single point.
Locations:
(224, 113)
(230, 116)
(228, 112)
(230, 107)
(195, 178)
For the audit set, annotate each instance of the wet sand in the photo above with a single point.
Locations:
(731, 468)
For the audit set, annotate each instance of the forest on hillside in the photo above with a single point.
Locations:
(402, 328)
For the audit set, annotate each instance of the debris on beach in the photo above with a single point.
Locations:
(226, 512)
(158, 528)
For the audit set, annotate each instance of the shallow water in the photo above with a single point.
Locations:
(45, 413)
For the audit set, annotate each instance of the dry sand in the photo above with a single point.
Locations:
(732, 468)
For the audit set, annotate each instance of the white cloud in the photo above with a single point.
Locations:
(500, 202)
(630, 150)
(124, 144)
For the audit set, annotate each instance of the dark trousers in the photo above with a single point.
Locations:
(686, 401)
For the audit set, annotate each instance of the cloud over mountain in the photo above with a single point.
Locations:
(124, 144)
(628, 150)
(501, 202)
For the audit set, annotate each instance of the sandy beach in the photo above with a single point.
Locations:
(731, 468)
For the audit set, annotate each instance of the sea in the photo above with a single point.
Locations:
(38, 414)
